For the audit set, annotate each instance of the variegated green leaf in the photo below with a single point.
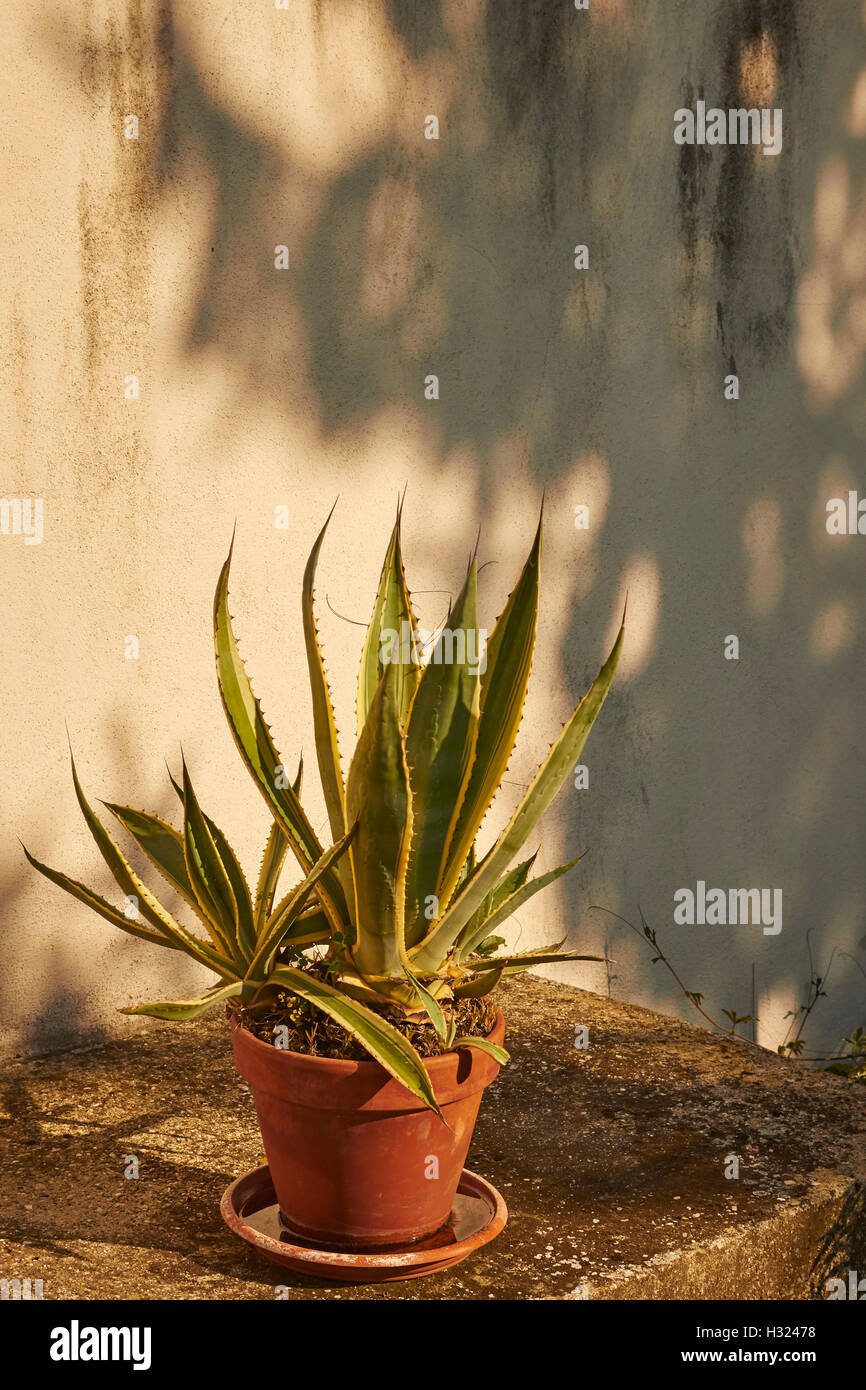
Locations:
(163, 846)
(181, 1010)
(508, 884)
(383, 1042)
(273, 860)
(469, 864)
(503, 691)
(378, 798)
(546, 783)
(246, 936)
(392, 613)
(480, 985)
(207, 875)
(394, 992)
(432, 1005)
(245, 932)
(105, 909)
(312, 930)
(324, 724)
(131, 885)
(253, 738)
(485, 1045)
(510, 904)
(312, 918)
(440, 743)
(279, 924)
(489, 945)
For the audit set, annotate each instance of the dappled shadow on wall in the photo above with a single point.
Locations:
(455, 258)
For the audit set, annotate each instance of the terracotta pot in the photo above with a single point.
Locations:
(355, 1159)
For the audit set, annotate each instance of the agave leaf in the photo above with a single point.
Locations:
(479, 986)
(485, 1045)
(131, 885)
(311, 917)
(273, 860)
(378, 798)
(440, 741)
(123, 873)
(280, 922)
(246, 936)
(253, 738)
(434, 1011)
(383, 1042)
(163, 846)
(208, 877)
(469, 864)
(546, 783)
(327, 743)
(394, 992)
(236, 877)
(508, 884)
(511, 964)
(502, 695)
(356, 987)
(181, 1010)
(105, 909)
(393, 608)
(510, 904)
(307, 931)
(489, 945)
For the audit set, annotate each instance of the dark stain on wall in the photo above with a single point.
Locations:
(692, 173)
(748, 199)
(419, 28)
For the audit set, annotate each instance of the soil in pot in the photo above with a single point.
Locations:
(314, 1034)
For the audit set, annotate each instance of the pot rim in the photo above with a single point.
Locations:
(343, 1065)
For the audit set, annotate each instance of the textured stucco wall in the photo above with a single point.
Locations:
(262, 388)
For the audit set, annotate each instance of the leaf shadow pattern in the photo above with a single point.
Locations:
(557, 132)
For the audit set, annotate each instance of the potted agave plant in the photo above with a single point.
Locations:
(359, 1001)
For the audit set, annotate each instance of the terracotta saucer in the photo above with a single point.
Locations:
(249, 1207)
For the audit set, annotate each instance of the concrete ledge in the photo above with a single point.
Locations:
(611, 1160)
